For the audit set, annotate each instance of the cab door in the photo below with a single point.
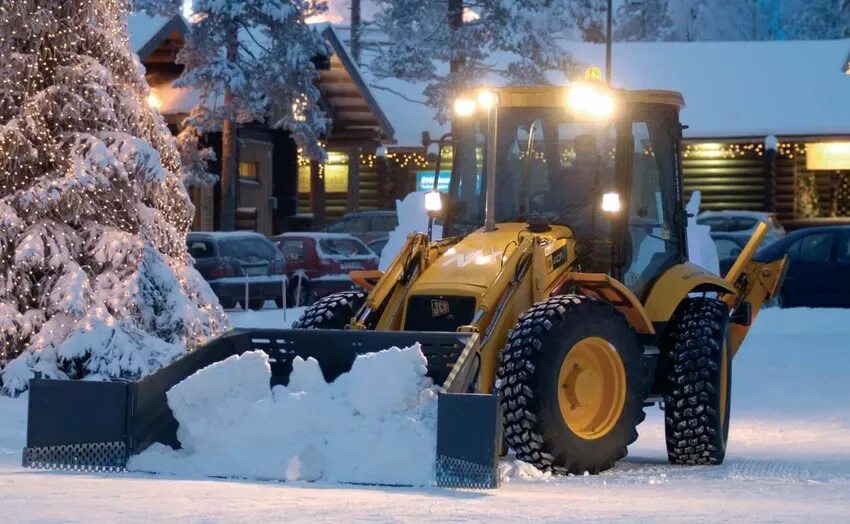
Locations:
(653, 237)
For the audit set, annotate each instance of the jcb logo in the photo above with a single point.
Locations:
(439, 308)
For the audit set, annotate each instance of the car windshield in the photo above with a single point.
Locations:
(246, 248)
(343, 247)
(547, 165)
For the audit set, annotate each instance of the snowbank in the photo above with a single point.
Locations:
(702, 250)
(412, 218)
(373, 425)
(273, 317)
(13, 429)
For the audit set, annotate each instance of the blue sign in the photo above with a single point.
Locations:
(425, 181)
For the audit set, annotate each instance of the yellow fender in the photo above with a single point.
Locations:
(674, 285)
(602, 287)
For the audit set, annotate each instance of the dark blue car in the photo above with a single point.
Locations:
(819, 270)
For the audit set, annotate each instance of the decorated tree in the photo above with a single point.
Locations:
(95, 278)
(251, 60)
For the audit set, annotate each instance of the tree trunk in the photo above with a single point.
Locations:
(355, 30)
(229, 152)
(317, 194)
(353, 179)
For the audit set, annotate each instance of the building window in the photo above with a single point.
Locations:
(335, 173)
(249, 170)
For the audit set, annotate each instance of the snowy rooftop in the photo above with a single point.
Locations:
(732, 89)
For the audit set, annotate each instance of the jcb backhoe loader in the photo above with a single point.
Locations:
(559, 304)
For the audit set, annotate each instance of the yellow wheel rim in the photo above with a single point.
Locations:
(724, 382)
(592, 388)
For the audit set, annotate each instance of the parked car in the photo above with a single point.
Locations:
(366, 225)
(322, 261)
(377, 246)
(742, 223)
(230, 260)
(819, 271)
(729, 244)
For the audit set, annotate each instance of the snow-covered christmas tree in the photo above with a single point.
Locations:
(94, 274)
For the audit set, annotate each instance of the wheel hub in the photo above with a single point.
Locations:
(592, 388)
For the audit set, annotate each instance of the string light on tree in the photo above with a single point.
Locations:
(94, 273)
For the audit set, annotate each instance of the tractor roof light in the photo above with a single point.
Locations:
(590, 100)
(464, 107)
(487, 99)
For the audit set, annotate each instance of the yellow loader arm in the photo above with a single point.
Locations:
(756, 284)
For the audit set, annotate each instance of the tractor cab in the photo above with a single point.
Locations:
(604, 163)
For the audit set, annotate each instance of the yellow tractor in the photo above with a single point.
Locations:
(559, 303)
(565, 253)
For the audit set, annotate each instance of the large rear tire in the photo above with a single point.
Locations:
(572, 385)
(332, 312)
(698, 374)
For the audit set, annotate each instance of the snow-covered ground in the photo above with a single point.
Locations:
(270, 317)
(788, 460)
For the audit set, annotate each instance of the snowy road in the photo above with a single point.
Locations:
(788, 460)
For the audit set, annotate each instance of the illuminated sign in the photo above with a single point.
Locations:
(829, 156)
(425, 181)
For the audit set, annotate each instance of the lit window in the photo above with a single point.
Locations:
(249, 170)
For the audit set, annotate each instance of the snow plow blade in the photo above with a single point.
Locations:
(97, 426)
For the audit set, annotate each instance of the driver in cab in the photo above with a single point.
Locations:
(574, 188)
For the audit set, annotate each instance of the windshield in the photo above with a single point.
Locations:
(546, 166)
(343, 247)
(247, 248)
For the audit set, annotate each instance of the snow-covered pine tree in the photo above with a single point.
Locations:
(687, 17)
(820, 19)
(420, 44)
(252, 60)
(95, 278)
(643, 21)
(591, 19)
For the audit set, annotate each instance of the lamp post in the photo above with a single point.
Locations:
(492, 107)
(608, 38)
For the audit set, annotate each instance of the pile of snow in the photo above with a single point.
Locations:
(412, 218)
(374, 425)
(702, 250)
(13, 429)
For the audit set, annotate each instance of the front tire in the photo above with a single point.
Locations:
(572, 385)
(698, 374)
(332, 312)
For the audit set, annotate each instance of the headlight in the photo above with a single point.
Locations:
(433, 202)
(611, 202)
(590, 100)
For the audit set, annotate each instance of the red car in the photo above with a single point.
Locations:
(322, 261)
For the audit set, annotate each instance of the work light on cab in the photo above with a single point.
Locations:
(590, 100)
(464, 107)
